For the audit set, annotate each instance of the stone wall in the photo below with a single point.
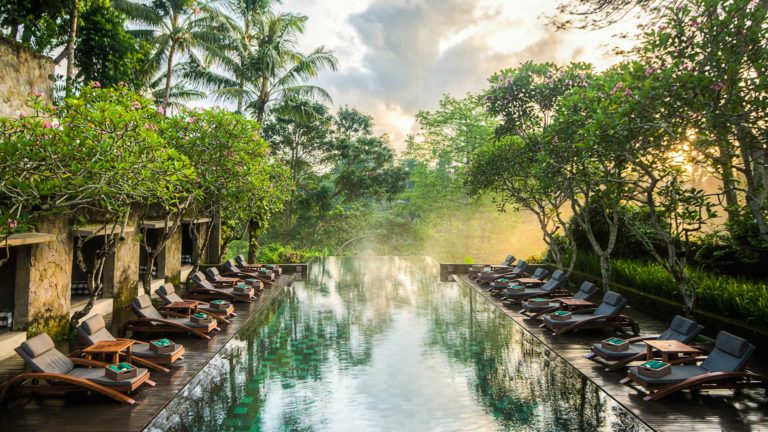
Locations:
(172, 252)
(43, 284)
(22, 72)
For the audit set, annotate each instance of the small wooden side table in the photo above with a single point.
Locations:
(107, 348)
(529, 281)
(573, 305)
(187, 306)
(669, 349)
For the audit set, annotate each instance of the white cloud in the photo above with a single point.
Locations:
(400, 56)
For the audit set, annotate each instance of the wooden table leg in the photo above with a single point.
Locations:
(648, 353)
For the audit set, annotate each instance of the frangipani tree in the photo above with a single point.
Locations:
(718, 58)
(96, 155)
(237, 180)
(524, 99)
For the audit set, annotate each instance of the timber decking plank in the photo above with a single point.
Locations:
(81, 412)
(713, 411)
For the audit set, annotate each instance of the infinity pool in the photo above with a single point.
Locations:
(379, 344)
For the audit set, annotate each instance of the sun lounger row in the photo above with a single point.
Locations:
(544, 299)
(56, 373)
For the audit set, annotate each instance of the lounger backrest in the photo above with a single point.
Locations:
(554, 282)
(508, 260)
(41, 355)
(212, 273)
(587, 290)
(93, 330)
(231, 266)
(540, 273)
(612, 304)
(731, 354)
(200, 280)
(142, 305)
(681, 329)
(241, 260)
(521, 266)
(168, 293)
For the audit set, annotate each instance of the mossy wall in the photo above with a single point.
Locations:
(22, 72)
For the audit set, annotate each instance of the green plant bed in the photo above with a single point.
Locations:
(720, 295)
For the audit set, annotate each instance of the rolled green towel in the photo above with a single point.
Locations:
(242, 286)
(121, 367)
(162, 342)
(539, 299)
(218, 302)
(654, 364)
(561, 313)
(200, 315)
(615, 341)
(502, 280)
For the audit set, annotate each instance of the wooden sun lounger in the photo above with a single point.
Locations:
(62, 382)
(681, 329)
(722, 369)
(605, 316)
(153, 321)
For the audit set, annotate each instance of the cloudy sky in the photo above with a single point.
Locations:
(399, 56)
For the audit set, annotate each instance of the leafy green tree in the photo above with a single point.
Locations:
(364, 164)
(513, 169)
(277, 69)
(235, 62)
(451, 133)
(35, 23)
(717, 56)
(97, 155)
(237, 179)
(106, 52)
(300, 142)
(176, 28)
(591, 166)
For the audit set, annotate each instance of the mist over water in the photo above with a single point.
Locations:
(477, 232)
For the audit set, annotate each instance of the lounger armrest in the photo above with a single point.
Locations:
(85, 362)
(136, 341)
(167, 313)
(642, 338)
(167, 323)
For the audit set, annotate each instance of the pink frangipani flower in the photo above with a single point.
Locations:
(12, 223)
(96, 84)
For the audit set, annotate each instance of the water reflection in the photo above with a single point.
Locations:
(380, 344)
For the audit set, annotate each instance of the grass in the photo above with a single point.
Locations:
(734, 297)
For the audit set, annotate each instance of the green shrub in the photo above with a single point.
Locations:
(276, 254)
(724, 295)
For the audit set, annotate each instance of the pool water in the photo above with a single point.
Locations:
(379, 344)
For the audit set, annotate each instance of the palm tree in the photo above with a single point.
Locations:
(262, 63)
(177, 29)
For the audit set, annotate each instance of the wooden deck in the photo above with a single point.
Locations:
(79, 412)
(713, 411)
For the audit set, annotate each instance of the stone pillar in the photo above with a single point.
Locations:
(172, 257)
(44, 280)
(121, 271)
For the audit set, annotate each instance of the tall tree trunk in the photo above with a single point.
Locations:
(71, 38)
(169, 75)
(254, 229)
